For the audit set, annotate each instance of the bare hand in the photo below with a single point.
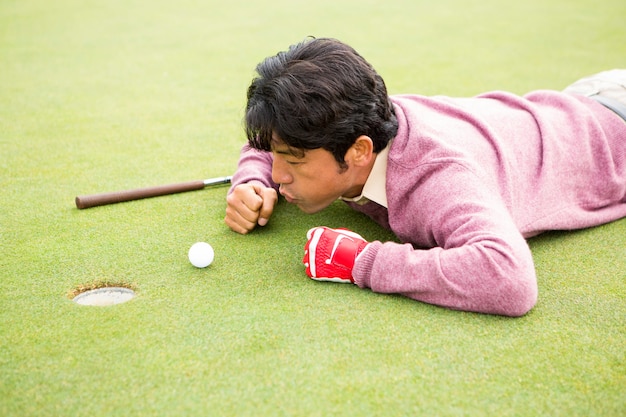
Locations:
(248, 205)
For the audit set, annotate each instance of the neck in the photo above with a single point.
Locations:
(360, 176)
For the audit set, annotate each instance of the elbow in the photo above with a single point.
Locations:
(513, 280)
(516, 302)
(516, 293)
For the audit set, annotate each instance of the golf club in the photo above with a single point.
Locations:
(93, 200)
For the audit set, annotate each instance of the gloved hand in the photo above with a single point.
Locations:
(329, 254)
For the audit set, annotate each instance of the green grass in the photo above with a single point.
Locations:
(107, 95)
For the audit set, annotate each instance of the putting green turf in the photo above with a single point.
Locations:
(109, 95)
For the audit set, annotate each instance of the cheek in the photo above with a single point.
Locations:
(325, 186)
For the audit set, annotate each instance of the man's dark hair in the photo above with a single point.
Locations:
(319, 93)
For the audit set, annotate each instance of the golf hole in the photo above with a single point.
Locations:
(102, 295)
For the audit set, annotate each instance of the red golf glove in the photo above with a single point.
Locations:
(329, 254)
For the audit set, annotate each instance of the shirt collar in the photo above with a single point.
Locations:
(375, 185)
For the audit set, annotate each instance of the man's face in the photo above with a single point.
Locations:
(313, 181)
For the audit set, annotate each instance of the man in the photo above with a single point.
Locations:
(462, 182)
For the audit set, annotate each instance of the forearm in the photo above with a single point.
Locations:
(486, 277)
(253, 165)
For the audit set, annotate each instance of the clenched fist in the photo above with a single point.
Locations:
(329, 254)
(248, 205)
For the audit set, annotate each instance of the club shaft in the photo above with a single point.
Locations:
(93, 200)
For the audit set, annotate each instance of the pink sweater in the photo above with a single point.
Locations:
(469, 179)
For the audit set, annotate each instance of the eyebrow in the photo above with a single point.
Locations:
(283, 149)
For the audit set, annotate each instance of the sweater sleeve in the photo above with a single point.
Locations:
(478, 260)
(253, 165)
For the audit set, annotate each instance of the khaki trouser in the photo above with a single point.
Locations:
(608, 88)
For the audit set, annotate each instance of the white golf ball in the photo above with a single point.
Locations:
(201, 254)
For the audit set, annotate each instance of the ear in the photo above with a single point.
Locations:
(361, 153)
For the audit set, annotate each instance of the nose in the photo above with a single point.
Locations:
(280, 172)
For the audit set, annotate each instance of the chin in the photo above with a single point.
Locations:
(311, 209)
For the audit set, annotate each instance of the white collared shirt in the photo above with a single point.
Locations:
(374, 188)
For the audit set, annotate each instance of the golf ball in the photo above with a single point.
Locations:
(201, 254)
